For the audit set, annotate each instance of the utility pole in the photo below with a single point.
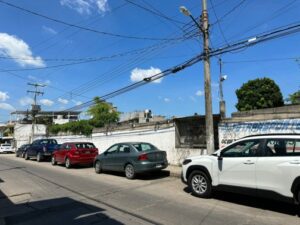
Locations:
(35, 107)
(209, 123)
(222, 102)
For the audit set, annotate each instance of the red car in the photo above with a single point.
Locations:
(74, 153)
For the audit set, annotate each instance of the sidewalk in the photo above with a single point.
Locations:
(175, 171)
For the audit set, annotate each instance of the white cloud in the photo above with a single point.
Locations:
(167, 100)
(46, 102)
(63, 101)
(3, 96)
(200, 93)
(138, 74)
(86, 6)
(26, 101)
(49, 30)
(12, 46)
(6, 106)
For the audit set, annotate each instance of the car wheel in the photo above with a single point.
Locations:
(200, 184)
(68, 163)
(53, 161)
(26, 157)
(39, 157)
(129, 171)
(98, 167)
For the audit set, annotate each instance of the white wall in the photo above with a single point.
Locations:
(22, 133)
(164, 139)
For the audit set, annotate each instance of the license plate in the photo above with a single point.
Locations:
(158, 165)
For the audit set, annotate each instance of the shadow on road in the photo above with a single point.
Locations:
(143, 176)
(255, 202)
(54, 211)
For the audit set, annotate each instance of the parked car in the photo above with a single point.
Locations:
(132, 158)
(41, 149)
(75, 153)
(21, 151)
(6, 148)
(263, 165)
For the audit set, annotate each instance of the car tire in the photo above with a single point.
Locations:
(98, 167)
(129, 171)
(68, 163)
(26, 157)
(53, 161)
(200, 184)
(38, 157)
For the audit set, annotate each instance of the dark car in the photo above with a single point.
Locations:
(41, 149)
(131, 158)
(74, 153)
(21, 151)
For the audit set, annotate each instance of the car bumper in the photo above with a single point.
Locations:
(75, 160)
(150, 166)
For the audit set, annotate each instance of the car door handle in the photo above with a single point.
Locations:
(295, 162)
(248, 162)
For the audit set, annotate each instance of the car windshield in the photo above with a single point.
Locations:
(85, 145)
(48, 141)
(142, 147)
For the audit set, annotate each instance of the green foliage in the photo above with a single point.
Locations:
(294, 98)
(102, 114)
(259, 94)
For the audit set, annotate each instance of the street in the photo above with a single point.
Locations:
(36, 193)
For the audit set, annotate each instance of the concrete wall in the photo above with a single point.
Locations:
(164, 139)
(231, 131)
(22, 133)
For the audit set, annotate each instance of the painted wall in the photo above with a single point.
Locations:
(164, 139)
(231, 131)
(22, 133)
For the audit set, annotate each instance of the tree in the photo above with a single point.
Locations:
(259, 94)
(294, 98)
(102, 113)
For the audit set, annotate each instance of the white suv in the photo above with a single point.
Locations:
(264, 165)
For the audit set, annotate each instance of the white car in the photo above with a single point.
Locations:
(5, 148)
(263, 165)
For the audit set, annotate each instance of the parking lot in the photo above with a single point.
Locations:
(35, 193)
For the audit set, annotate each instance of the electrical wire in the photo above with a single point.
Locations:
(85, 28)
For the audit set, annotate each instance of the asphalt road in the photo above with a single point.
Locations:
(39, 193)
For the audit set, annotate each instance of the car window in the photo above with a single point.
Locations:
(282, 147)
(85, 145)
(112, 149)
(141, 147)
(124, 149)
(242, 149)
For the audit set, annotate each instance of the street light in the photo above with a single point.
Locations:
(204, 28)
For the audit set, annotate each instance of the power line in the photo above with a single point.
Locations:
(156, 12)
(218, 22)
(280, 32)
(85, 28)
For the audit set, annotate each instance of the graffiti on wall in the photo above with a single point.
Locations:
(229, 132)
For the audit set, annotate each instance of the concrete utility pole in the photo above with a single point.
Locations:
(222, 102)
(209, 123)
(35, 108)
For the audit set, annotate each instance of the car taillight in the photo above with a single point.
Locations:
(143, 157)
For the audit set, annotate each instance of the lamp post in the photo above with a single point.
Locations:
(209, 125)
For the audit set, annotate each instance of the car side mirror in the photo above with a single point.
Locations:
(219, 155)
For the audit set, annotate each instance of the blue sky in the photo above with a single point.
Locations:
(27, 41)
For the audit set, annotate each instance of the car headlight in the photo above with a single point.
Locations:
(186, 161)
